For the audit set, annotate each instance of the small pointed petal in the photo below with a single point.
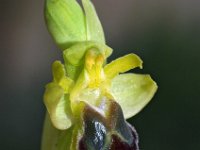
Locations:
(122, 65)
(60, 77)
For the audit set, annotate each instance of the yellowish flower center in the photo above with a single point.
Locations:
(93, 63)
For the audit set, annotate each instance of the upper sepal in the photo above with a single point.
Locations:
(93, 25)
(65, 21)
(69, 24)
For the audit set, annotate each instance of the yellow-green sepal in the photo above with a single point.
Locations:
(65, 21)
(133, 92)
(56, 97)
(57, 104)
(93, 25)
(68, 24)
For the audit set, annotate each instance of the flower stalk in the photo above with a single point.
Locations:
(88, 100)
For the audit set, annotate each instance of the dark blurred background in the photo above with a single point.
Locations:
(165, 34)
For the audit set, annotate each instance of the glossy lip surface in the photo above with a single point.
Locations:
(107, 133)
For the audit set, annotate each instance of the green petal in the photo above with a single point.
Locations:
(58, 71)
(93, 25)
(58, 106)
(60, 77)
(133, 92)
(65, 21)
(122, 64)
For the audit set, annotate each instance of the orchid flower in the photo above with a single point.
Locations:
(89, 99)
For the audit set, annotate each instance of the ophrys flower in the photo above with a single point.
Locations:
(88, 99)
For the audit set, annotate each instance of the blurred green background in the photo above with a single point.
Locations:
(165, 34)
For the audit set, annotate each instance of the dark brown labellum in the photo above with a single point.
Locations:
(107, 133)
